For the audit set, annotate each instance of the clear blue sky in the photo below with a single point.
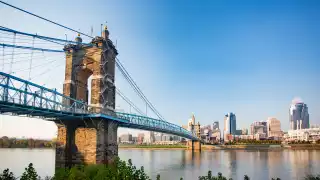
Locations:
(210, 57)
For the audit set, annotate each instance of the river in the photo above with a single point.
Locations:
(173, 164)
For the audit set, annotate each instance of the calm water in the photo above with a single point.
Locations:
(173, 164)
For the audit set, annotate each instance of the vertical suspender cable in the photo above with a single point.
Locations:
(30, 66)
(3, 58)
(11, 63)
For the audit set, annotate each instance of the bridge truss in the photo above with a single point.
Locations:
(23, 98)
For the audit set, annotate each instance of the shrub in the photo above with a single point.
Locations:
(119, 170)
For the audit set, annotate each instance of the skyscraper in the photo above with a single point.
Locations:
(274, 127)
(215, 125)
(259, 127)
(230, 124)
(149, 137)
(298, 115)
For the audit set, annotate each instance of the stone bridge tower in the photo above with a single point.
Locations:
(89, 141)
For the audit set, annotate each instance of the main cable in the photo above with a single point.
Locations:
(136, 88)
(128, 101)
(44, 19)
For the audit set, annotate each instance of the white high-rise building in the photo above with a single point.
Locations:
(149, 138)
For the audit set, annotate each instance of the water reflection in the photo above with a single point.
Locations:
(173, 164)
(261, 164)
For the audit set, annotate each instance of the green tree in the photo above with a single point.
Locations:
(7, 175)
(5, 142)
(30, 173)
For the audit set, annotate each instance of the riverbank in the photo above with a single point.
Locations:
(227, 147)
(262, 147)
(151, 147)
(303, 146)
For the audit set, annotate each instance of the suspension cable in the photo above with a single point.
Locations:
(44, 19)
(137, 89)
(128, 101)
(40, 37)
(14, 43)
(3, 58)
(31, 59)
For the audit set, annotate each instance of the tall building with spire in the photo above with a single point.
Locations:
(193, 126)
(298, 115)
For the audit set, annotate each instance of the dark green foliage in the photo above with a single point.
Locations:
(210, 177)
(119, 170)
(310, 177)
(300, 142)
(252, 141)
(7, 175)
(30, 173)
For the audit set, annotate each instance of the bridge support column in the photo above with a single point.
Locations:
(106, 146)
(194, 145)
(94, 144)
(65, 146)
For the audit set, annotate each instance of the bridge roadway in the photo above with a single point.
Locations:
(21, 97)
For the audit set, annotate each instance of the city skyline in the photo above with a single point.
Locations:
(242, 58)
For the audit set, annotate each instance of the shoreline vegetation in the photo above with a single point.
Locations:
(152, 146)
(6, 142)
(118, 170)
(226, 147)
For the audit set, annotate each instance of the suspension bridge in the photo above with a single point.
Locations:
(87, 124)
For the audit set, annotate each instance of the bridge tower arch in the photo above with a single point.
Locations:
(89, 141)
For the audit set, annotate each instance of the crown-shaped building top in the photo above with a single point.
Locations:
(78, 39)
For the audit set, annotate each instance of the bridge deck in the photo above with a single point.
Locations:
(23, 98)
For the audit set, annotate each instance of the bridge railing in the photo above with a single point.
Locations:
(156, 124)
(14, 90)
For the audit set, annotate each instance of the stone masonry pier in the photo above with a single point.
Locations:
(89, 141)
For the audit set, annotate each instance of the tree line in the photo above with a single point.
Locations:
(118, 170)
(6, 142)
(252, 141)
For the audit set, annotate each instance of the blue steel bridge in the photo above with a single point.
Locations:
(21, 97)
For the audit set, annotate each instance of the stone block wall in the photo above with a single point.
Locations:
(94, 144)
(194, 145)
